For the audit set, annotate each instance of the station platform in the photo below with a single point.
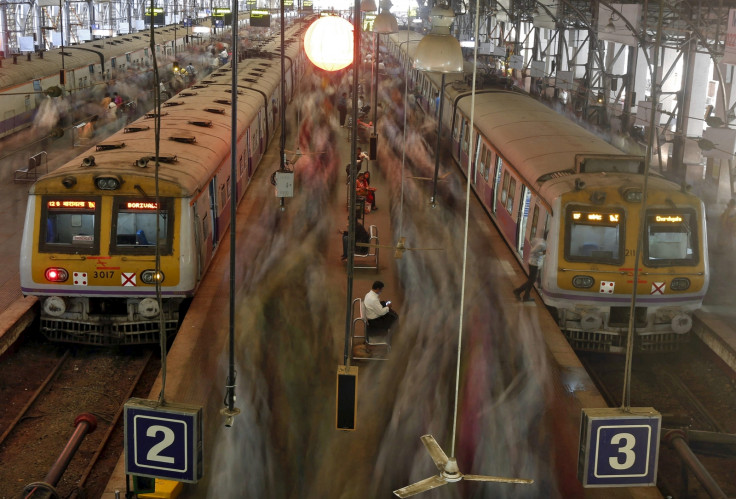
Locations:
(521, 390)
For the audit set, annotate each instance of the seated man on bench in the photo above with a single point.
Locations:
(361, 236)
(379, 313)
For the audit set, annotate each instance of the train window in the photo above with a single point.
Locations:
(671, 238)
(69, 225)
(134, 226)
(488, 163)
(466, 136)
(91, 69)
(505, 188)
(594, 235)
(112, 62)
(510, 196)
(535, 220)
(482, 162)
(456, 128)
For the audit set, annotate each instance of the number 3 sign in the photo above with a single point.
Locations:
(163, 441)
(619, 448)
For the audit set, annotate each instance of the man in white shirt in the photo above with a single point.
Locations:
(379, 313)
(536, 257)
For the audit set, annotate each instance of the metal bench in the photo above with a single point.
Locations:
(31, 173)
(369, 260)
(371, 336)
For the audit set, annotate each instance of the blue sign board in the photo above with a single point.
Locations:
(619, 448)
(163, 441)
(219, 23)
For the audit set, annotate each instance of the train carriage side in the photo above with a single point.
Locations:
(88, 247)
(529, 169)
(85, 65)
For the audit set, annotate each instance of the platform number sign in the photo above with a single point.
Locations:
(619, 448)
(163, 441)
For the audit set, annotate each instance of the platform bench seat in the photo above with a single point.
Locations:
(371, 336)
(369, 259)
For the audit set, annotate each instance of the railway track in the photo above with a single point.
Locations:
(692, 391)
(68, 383)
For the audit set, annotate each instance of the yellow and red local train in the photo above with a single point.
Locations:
(537, 172)
(89, 241)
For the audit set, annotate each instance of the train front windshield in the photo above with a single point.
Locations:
(134, 226)
(671, 238)
(69, 225)
(594, 236)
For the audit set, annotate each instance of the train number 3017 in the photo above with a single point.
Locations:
(104, 274)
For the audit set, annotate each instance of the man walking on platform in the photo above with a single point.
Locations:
(536, 257)
(342, 107)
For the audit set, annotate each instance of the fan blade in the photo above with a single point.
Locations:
(368, 245)
(419, 178)
(483, 478)
(435, 451)
(423, 485)
(425, 249)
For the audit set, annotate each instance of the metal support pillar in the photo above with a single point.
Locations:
(683, 97)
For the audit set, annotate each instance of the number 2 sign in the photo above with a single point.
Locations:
(619, 448)
(163, 441)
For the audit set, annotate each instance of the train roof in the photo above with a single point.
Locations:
(79, 55)
(195, 129)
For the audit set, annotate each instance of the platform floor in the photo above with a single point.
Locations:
(520, 392)
(521, 389)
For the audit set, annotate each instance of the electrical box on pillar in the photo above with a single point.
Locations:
(284, 184)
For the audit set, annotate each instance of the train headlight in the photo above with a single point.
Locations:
(108, 183)
(55, 306)
(56, 274)
(680, 284)
(632, 195)
(582, 281)
(150, 276)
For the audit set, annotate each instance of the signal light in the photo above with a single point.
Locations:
(56, 274)
(150, 276)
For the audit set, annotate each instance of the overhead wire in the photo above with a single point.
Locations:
(465, 235)
(157, 265)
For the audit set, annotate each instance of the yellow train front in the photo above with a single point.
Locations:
(588, 273)
(95, 226)
(95, 263)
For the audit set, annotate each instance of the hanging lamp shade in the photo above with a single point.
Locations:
(385, 23)
(368, 5)
(439, 51)
(329, 43)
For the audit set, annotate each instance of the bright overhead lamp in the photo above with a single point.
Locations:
(329, 43)
(439, 51)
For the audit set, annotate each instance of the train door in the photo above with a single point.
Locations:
(522, 217)
(479, 160)
(213, 211)
(496, 182)
(38, 91)
(476, 158)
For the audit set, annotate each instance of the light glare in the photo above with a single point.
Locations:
(329, 43)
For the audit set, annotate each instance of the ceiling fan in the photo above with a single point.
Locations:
(449, 472)
(399, 248)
